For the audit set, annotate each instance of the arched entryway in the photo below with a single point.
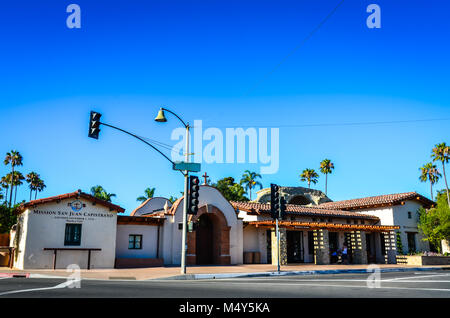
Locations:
(299, 200)
(209, 244)
(204, 240)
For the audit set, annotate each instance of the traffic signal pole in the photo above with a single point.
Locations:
(186, 190)
(278, 246)
(94, 124)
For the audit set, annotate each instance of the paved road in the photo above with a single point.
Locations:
(435, 284)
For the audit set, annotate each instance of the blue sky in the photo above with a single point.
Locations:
(217, 61)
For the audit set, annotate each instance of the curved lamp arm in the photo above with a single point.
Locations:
(185, 125)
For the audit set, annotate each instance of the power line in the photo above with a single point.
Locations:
(296, 48)
(373, 123)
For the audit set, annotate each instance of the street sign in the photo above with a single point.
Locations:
(187, 166)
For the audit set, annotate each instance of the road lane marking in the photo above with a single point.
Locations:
(355, 280)
(414, 277)
(63, 285)
(345, 286)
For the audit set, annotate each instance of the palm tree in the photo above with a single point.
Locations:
(33, 181)
(172, 199)
(441, 152)
(17, 181)
(429, 172)
(15, 159)
(5, 185)
(309, 175)
(326, 167)
(39, 188)
(249, 181)
(149, 193)
(101, 193)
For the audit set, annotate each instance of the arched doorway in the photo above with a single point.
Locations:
(204, 240)
(209, 244)
(299, 200)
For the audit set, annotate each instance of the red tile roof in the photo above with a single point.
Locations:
(333, 226)
(264, 208)
(77, 194)
(377, 201)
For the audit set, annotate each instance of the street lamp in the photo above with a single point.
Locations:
(161, 118)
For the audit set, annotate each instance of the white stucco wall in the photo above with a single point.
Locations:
(20, 234)
(409, 225)
(154, 205)
(251, 240)
(149, 241)
(398, 215)
(45, 228)
(211, 196)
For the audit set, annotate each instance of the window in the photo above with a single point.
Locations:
(135, 242)
(411, 242)
(73, 235)
(409, 215)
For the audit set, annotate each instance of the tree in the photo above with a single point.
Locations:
(429, 172)
(230, 190)
(39, 188)
(17, 178)
(435, 223)
(249, 181)
(441, 152)
(149, 193)
(5, 185)
(101, 193)
(33, 181)
(14, 158)
(7, 218)
(309, 175)
(326, 167)
(172, 199)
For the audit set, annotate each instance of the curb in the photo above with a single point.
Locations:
(296, 273)
(14, 275)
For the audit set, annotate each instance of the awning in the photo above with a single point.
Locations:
(327, 226)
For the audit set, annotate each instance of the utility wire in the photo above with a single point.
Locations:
(373, 123)
(296, 48)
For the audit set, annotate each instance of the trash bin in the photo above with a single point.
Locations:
(256, 258)
(248, 257)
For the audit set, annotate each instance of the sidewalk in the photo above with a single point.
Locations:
(210, 272)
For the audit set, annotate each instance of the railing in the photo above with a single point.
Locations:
(71, 249)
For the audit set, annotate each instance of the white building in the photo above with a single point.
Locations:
(74, 228)
(80, 229)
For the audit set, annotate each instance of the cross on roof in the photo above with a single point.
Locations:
(206, 178)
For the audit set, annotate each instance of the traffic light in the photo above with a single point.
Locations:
(194, 186)
(282, 208)
(94, 125)
(274, 201)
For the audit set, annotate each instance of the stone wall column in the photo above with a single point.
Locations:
(359, 251)
(283, 247)
(390, 240)
(321, 247)
(378, 249)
